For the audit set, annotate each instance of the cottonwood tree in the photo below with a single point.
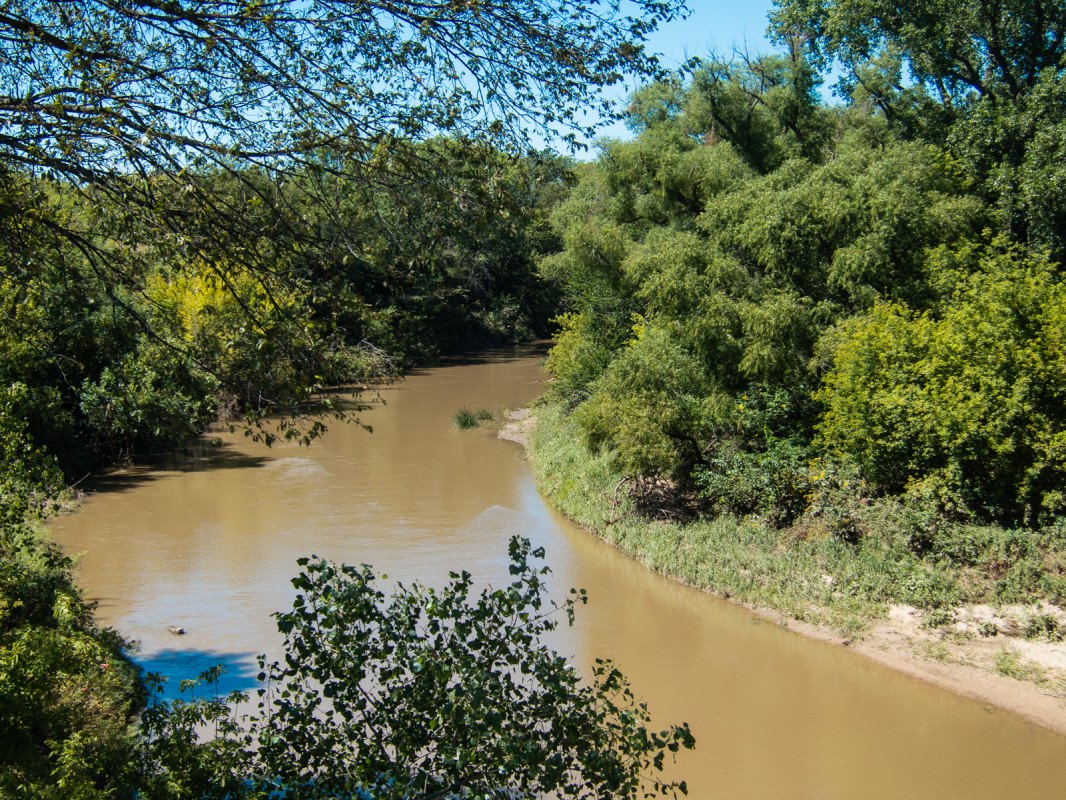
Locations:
(421, 693)
(954, 49)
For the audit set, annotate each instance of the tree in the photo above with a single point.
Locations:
(986, 77)
(427, 693)
(194, 136)
(106, 88)
(953, 49)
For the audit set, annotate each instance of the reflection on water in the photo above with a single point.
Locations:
(209, 543)
(175, 665)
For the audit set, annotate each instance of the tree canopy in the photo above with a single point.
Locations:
(104, 88)
(954, 49)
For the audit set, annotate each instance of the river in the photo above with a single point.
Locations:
(209, 543)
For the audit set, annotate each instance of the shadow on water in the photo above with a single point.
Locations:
(201, 457)
(207, 453)
(238, 674)
(500, 355)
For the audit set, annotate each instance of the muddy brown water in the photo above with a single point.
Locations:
(209, 543)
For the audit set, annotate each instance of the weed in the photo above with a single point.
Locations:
(938, 618)
(937, 651)
(1008, 663)
(465, 418)
(1043, 626)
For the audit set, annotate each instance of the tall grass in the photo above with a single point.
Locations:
(465, 418)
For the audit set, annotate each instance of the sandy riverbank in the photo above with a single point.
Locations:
(981, 653)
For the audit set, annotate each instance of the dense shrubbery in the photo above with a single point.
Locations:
(967, 403)
(67, 692)
(124, 348)
(764, 290)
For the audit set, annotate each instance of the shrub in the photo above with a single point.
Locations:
(966, 408)
(423, 693)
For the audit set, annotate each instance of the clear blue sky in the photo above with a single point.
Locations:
(712, 27)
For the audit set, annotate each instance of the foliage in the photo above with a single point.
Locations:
(328, 167)
(465, 418)
(67, 692)
(765, 106)
(704, 278)
(647, 407)
(840, 563)
(952, 50)
(426, 692)
(986, 77)
(965, 404)
(101, 89)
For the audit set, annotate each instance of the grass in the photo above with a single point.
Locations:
(806, 572)
(466, 418)
(1010, 664)
(737, 558)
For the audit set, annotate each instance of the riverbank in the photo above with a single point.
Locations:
(1006, 655)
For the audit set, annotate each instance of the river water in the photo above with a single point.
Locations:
(209, 543)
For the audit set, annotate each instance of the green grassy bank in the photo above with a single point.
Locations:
(818, 570)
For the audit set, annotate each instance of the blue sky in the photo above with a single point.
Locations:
(712, 27)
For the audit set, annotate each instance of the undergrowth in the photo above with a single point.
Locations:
(815, 570)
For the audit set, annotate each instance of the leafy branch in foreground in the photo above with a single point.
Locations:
(424, 693)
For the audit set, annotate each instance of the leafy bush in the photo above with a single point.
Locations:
(67, 692)
(650, 407)
(966, 407)
(424, 693)
(774, 484)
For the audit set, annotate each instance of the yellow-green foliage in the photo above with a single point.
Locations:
(648, 407)
(968, 403)
(225, 313)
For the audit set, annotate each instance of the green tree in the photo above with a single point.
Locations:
(986, 77)
(424, 693)
(170, 136)
(955, 49)
(963, 404)
(766, 106)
